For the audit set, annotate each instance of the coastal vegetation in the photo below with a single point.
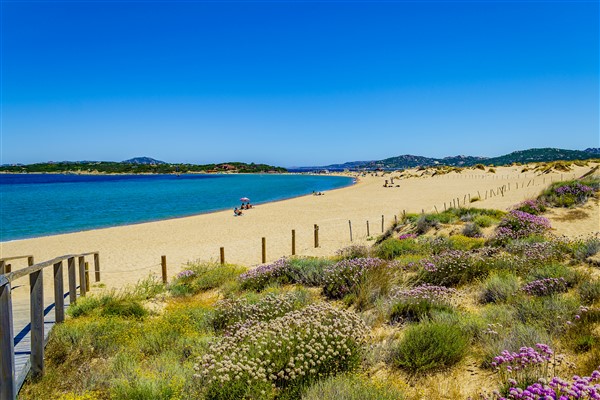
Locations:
(105, 167)
(435, 308)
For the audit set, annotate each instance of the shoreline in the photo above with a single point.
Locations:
(353, 182)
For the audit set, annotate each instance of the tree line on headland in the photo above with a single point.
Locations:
(104, 167)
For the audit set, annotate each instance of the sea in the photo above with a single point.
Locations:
(33, 205)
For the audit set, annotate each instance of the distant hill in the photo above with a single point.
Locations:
(521, 156)
(143, 160)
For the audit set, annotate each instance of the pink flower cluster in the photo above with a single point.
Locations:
(586, 387)
(518, 224)
(525, 357)
(545, 287)
(188, 273)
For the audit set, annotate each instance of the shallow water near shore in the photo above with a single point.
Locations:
(33, 205)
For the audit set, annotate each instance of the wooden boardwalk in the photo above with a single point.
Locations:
(23, 353)
(23, 342)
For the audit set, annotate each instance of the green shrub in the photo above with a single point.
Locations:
(471, 230)
(581, 249)
(485, 221)
(306, 270)
(430, 346)
(589, 291)
(203, 276)
(285, 354)
(354, 251)
(417, 310)
(351, 387)
(460, 242)
(548, 312)
(499, 287)
(555, 270)
(108, 304)
(392, 248)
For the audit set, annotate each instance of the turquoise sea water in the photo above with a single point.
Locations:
(40, 205)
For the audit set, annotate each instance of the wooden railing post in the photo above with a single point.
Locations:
(36, 301)
(82, 287)
(97, 266)
(8, 388)
(264, 250)
(316, 236)
(222, 254)
(59, 300)
(163, 264)
(30, 261)
(72, 280)
(293, 242)
(8, 268)
(87, 277)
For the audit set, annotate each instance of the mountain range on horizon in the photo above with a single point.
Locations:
(520, 156)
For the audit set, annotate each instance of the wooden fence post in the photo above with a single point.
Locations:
(59, 299)
(264, 250)
(2, 267)
(350, 225)
(82, 287)
(382, 223)
(293, 242)
(97, 266)
(316, 236)
(72, 280)
(222, 254)
(87, 277)
(368, 233)
(163, 264)
(36, 302)
(395, 219)
(7, 345)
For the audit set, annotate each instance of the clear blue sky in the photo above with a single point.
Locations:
(296, 83)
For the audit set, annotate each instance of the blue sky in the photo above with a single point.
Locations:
(296, 83)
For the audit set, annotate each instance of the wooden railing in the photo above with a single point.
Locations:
(10, 382)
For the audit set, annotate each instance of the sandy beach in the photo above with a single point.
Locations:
(131, 252)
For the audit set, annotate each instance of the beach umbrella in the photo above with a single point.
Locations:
(244, 199)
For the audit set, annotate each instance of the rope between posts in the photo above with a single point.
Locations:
(132, 270)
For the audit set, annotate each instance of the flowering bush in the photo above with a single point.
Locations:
(539, 252)
(419, 302)
(407, 236)
(519, 224)
(557, 389)
(534, 207)
(571, 193)
(526, 366)
(344, 277)
(231, 313)
(282, 355)
(188, 273)
(261, 276)
(452, 268)
(545, 287)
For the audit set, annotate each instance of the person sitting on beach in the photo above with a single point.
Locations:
(248, 206)
(243, 207)
(237, 212)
